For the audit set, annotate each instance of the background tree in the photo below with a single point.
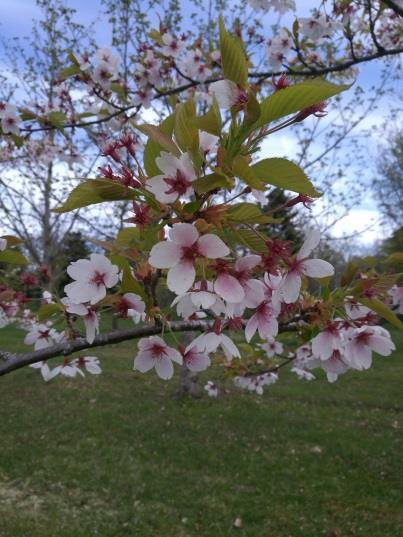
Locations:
(388, 183)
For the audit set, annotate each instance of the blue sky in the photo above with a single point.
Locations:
(16, 20)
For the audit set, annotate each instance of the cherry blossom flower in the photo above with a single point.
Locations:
(256, 384)
(102, 76)
(67, 369)
(42, 336)
(90, 363)
(154, 352)
(356, 311)
(238, 286)
(201, 296)
(179, 253)
(314, 27)
(195, 360)
(83, 61)
(92, 277)
(131, 305)
(264, 321)
(3, 244)
(301, 265)
(9, 118)
(172, 46)
(89, 316)
(107, 58)
(211, 341)
(228, 94)
(334, 366)
(272, 347)
(302, 374)
(177, 178)
(143, 97)
(365, 340)
(326, 342)
(211, 389)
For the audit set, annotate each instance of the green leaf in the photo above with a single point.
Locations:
(212, 182)
(14, 257)
(186, 134)
(233, 59)
(246, 238)
(249, 213)
(241, 169)
(128, 236)
(47, 310)
(252, 111)
(128, 284)
(295, 98)
(156, 36)
(11, 240)
(69, 71)
(192, 206)
(210, 122)
(382, 310)
(160, 137)
(153, 149)
(93, 191)
(282, 173)
(57, 119)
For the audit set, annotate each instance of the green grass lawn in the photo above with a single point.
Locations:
(119, 456)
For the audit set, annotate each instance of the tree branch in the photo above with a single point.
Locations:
(262, 76)
(10, 362)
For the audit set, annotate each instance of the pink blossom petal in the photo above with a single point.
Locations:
(198, 361)
(226, 92)
(229, 288)
(322, 345)
(143, 362)
(247, 263)
(181, 277)
(230, 349)
(165, 254)
(291, 287)
(251, 327)
(381, 345)
(164, 368)
(212, 246)
(311, 242)
(186, 166)
(317, 268)
(167, 163)
(267, 327)
(79, 269)
(183, 234)
(254, 293)
(174, 355)
(159, 187)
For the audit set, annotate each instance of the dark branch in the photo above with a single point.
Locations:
(261, 76)
(10, 362)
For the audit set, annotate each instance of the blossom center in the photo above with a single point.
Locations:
(157, 350)
(189, 253)
(178, 184)
(99, 278)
